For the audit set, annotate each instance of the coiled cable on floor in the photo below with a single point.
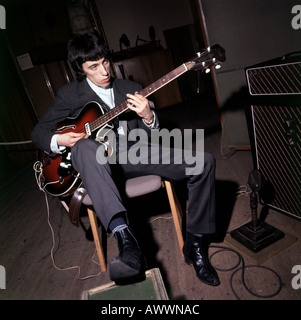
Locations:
(243, 268)
(38, 168)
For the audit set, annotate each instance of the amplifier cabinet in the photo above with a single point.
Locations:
(274, 123)
(277, 154)
(281, 79)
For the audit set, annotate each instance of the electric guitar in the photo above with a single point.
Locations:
(58, 177)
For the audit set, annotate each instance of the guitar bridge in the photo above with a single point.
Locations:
(87, 128)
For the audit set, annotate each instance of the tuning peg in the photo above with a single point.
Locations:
(218, 66)
(208, 49)
(207, 70)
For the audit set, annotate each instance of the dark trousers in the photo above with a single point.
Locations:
(106, 198)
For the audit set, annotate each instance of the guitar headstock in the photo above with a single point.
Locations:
(214, 55)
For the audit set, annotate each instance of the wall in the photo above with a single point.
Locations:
(134, 17)
(41, 28)
(251, 31)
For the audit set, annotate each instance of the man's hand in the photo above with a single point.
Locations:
(69, 139)
(140, 105)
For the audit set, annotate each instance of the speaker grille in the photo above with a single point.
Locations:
(278, 152)
(275, 80)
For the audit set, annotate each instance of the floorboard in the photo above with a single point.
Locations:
(26, 239)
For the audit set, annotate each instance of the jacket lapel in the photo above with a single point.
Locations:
(86, 94)
(118, 96)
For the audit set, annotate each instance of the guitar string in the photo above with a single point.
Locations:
(38, 168)
(145, 92)
(111, 114)
(123, 106)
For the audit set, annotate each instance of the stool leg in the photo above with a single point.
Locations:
(97, 241)
(176, 212)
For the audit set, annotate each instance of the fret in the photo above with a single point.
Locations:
(113, 113)
(68, 182)
(204, 60)
(163, 81)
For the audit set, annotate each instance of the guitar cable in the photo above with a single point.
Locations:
(241, 266)
(242, 191)
(38, 169)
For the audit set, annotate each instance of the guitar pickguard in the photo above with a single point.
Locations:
(65, 168)
(59, 177)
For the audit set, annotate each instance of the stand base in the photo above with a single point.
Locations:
(256, 236)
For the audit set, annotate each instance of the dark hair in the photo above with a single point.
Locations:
(87, 47)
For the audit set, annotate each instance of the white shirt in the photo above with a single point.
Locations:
(105, 94)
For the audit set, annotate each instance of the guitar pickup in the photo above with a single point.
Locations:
(87, 128)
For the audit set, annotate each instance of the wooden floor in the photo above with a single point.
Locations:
(26, 239)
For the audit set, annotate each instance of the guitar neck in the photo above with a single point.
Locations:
(113, 113)
(164, 80)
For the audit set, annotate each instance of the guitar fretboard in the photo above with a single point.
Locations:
(113, 113)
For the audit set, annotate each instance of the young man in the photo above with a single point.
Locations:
(89, 57)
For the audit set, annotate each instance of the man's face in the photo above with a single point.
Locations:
(98, 71)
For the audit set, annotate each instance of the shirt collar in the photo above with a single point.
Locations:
(106, 94)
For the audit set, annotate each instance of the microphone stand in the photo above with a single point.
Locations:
(256, 234)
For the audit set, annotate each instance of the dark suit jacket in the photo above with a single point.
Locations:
(69, 102)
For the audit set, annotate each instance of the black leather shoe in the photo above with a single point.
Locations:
(196, 252)
(129, 264)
